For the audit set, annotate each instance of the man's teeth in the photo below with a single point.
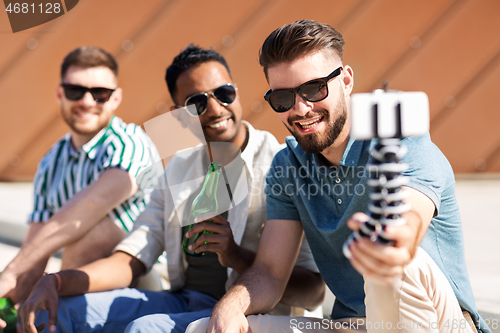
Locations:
(219, 124)
(309, 124)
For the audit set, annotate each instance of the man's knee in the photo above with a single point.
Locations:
(151, 323)
(198, 326)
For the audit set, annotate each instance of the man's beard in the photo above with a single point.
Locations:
(315, 143)
(82, 129)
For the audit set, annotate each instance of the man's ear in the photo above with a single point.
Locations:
(58, 93)
(177, 114)
(348, 79)
(116, 98)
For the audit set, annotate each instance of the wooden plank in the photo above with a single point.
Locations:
(205, 26)
(471, 135)
(243, 55)
(22, 165)
(382, 34)
(27, 91)
(448, 61)
(461, 42)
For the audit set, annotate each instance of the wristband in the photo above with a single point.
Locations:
(58, 280)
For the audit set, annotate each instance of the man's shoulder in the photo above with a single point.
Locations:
(291, 152)
(421, 150)
(264, 142)
(267, 141)
(128, 131)
(54, 152)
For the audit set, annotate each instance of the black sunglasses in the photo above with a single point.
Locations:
(315, 90)
(75, 92)
(224, 95)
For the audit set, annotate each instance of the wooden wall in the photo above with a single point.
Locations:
(448, 48)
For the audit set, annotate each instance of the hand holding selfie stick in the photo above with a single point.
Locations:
(388, 116)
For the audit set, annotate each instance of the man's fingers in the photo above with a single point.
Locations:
(217, 219)
(373, 264)
(52, 308)
(368, 274)
(208, 242)
(356, 220)
(3, 324)
(403, 235)
(29, 323)
(388, 255)
(210, 216)
(207, 226)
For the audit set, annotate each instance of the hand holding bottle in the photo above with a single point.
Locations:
(205, 202)
(219, 239)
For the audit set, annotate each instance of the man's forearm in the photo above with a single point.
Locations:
(117, 271)
(305, 289)
(259, 287)
(50, 237)
(245, 260)
(79, 215)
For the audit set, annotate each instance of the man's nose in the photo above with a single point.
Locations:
(301, 106)
(88, 99)
(214, 108)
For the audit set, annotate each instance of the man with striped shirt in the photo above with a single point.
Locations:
(85, 194)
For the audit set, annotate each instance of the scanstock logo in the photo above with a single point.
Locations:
(26, 14)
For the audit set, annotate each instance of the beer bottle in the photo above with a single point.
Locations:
(205, 202)
(8, 314)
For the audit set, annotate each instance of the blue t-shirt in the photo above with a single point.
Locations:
(301, 187)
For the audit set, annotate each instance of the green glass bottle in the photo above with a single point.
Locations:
(8, 314)
(205, 202)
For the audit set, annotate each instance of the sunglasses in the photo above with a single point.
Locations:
(224, 95)
(316, 90)
(75, 92)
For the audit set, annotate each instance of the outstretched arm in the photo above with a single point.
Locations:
(79, 215)
(383, 263)
(117, 271)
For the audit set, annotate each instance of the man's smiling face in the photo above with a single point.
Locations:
(219, 123)
(315, 125)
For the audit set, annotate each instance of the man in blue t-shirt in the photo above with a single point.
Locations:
(318, 184)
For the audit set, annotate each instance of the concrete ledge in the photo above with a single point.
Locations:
(13, 233)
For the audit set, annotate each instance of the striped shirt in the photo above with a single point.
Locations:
(64, 171)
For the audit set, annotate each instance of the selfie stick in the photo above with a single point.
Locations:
(389, 117)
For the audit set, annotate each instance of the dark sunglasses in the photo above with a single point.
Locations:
(224, 95)
(316, 90)
(75, 92)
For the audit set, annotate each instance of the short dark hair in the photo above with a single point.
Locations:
(189, 57)
(294, 40)
(88, 57)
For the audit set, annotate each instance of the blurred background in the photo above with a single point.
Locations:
(449, 49)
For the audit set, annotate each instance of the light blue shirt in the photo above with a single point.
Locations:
(301, 187)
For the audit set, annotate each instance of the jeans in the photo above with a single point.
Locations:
(112, 311)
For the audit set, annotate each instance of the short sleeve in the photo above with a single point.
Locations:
(279, 203)
(429, 170)
(131, 150)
